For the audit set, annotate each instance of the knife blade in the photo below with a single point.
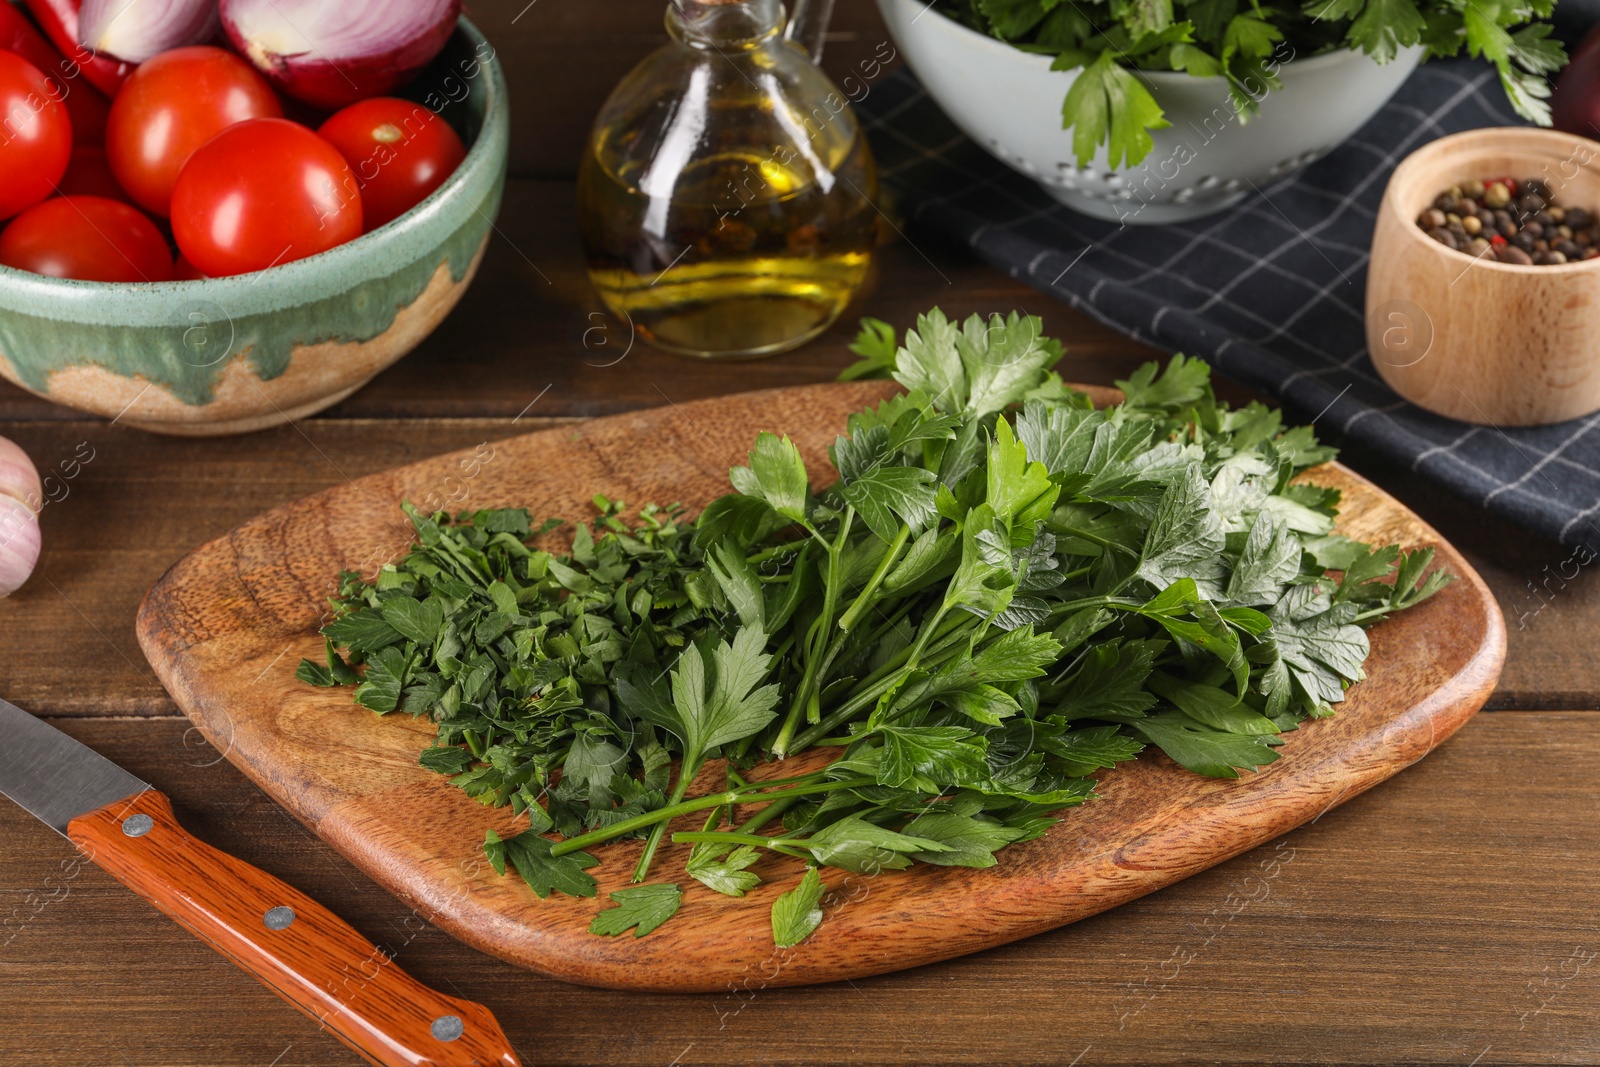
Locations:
(296, 947)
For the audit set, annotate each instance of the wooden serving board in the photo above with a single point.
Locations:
(226, 626)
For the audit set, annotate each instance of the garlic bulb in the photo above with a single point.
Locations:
(21, 495)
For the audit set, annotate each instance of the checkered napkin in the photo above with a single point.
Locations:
(1269, 292)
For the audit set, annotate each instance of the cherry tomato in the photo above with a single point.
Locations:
(35, 138)
(400, 152)
(264, 192)
(90, 175)
(86, 237)
(184, 271)
(86, 104)
(170, 106)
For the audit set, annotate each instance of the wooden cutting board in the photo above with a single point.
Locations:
(226, 626)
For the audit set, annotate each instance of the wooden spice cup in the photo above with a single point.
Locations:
(1475, 339)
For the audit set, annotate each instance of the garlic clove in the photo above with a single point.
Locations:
(19, 479)
(19, 544)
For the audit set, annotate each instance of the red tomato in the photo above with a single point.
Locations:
(170, 106)
(184, 271)
(90, 175)
(264, 192)
(86, 237)
(86, 104)
(399, 150)
(37, 135)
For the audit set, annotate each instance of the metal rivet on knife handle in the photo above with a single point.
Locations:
(448, 1027)
(138, 825)
(278, 918)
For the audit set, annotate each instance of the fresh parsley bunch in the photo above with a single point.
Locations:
(1245, 43)
(1003, 592)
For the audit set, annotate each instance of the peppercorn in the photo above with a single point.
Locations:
(1443, 236)
(1511, 221)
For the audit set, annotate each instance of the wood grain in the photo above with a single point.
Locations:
(293, 945)
(1420, 923)
(225, 627)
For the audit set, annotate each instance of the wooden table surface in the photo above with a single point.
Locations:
(1447, 917)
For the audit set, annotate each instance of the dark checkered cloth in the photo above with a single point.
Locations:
(1269, 292)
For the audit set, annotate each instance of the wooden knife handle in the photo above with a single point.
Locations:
(300, 950)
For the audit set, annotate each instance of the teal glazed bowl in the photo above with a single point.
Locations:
(230, 355)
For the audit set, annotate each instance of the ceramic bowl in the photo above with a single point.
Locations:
(229, 355)
(1474, 339)
(1009, 102)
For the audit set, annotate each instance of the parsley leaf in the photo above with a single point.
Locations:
(1205, 749)
(1109, 105)
(529, 855)
(641, 908)
(798, 912)
(725, 874)
(776, 474)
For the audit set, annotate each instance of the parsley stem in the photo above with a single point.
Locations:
(876, 688)
(924, 637)
(897, 661)
(727, 838)
(687, 769)
(804, 693)
(869, 593)
(766, 814)
(686, 807)
(1095, 601)
(1085, 535)
(776, 550)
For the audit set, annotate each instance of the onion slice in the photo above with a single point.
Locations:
(330, 53)
(136, 30)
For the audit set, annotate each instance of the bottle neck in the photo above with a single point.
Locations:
(725, 25)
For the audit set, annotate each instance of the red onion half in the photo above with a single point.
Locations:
(136, 30)
(329, 53)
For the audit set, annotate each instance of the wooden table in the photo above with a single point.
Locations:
(1447, 917)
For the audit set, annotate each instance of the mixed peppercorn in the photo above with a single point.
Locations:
(1512, 221)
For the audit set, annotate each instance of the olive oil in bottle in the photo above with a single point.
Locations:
(726, 196)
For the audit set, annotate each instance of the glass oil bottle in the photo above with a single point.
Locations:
(726, 196)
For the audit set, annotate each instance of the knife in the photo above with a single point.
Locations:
(297, 948)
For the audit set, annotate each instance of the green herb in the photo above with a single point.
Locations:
(1108, 41)
(798, 912)
(641, 909)
(1003, 592)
